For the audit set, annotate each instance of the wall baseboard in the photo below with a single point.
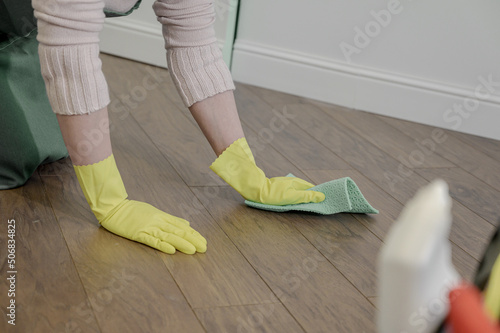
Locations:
(394, 95)
(131, 39)
(128, 38)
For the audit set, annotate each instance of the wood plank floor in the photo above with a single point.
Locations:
(263, 272)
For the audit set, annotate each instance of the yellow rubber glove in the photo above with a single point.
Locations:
(492, 294)
(105, 193)
(236, 165)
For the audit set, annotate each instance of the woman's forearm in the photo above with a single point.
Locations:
(86, 136)
(218, 119)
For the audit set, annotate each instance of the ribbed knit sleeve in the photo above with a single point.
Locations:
(194, 60)
(199, 72)
(73, 78)
(68, 32)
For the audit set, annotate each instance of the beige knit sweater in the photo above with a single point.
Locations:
(68, 32)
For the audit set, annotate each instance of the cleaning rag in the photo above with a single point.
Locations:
(342, 196)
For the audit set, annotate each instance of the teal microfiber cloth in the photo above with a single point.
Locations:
(341, 196)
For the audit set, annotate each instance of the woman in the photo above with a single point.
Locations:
(68, 32)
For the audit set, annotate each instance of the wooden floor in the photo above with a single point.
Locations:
(263, 272)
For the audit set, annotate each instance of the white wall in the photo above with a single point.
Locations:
(423, 63)
(139, 37)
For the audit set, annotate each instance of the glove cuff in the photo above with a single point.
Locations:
(102, 186)
(236, 166)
